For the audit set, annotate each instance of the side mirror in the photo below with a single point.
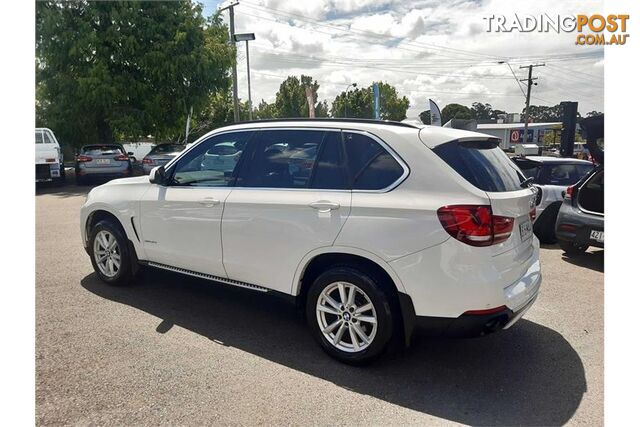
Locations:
(130, 153)
(157, 175)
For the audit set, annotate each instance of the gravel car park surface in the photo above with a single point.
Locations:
(178, 350)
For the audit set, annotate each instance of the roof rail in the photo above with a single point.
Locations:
(330, 119)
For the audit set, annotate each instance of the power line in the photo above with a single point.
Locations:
(368, 33)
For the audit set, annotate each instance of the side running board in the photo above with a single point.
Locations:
(207, 276)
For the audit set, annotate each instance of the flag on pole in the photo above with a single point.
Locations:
(436, 118)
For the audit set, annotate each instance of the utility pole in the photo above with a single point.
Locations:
(526, 108)
(234, 72)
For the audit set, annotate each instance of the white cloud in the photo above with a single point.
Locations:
(426, 48)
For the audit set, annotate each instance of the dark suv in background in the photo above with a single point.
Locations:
(580, 221)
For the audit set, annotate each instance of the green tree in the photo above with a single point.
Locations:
(480, 111)
(356, 103)
(264, 111)
(455, 111)
(291, 99)
(425, 117)
(113, 70)
(359, 103)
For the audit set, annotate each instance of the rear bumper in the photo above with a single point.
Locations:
(471, 325)
(102, 173)
(574, 225)
(47, 171)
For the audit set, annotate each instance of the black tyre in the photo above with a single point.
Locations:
(545, 227)
(571, 248)
(110, 255)
(350, 315)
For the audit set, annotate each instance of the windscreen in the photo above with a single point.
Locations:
(482, 163)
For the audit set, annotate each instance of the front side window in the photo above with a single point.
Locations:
(370, 166)
(211, 163)
(282, 159)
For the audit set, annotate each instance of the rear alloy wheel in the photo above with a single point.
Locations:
(349, 315)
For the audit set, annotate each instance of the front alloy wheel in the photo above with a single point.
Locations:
(109, 253)
(347, 317)
(106, 253)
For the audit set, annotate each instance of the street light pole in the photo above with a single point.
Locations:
(249, 80)
(247, 37)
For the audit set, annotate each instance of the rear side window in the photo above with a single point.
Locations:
(482, 163)
(282, 159)
(102, 150)
(564, 174)
(370, 166)
(39, 139)
(330, 172)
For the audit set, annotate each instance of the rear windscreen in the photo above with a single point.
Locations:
(101, 150)
(167, 148)
(482, 163)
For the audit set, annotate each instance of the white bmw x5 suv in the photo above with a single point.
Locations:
(376, 228)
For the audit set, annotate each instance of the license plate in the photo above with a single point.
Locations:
(103, 161)
(526, 230)
(596, 235)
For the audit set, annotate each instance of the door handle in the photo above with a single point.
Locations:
(324, 205)
(209, 202)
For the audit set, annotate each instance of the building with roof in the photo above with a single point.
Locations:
(511, 133)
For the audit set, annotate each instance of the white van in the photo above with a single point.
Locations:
(49, 158)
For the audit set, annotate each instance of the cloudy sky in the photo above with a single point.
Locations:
(426, 48)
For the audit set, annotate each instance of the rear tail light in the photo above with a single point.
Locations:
(83, 159)
(50, 160)
(475, 225)
(146, 161)
(570, 190)
(121, 158)
(532, 214)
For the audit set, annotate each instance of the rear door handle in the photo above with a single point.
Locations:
(209, 202)
(324, 205)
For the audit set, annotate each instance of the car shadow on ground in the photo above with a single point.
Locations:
(594, 259)
(528, 375)
(62, 191)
